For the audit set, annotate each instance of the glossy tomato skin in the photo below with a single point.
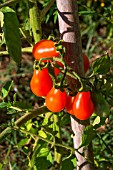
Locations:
(83, 106)
(44, 49)
(69, 104)
(86, 62)
(41, 82)
(56, 100)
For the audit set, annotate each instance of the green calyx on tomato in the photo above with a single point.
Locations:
(56, 100)
(41, 82)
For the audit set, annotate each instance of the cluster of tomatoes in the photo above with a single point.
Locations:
(56, 99)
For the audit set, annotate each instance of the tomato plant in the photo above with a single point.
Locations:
(41, 82)
(69, 104)
(86, 62)
(56, 100)
(44, 49)
(83, 106)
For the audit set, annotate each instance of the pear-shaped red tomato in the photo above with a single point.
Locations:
(56, 100)
(44, 49)
(69, 104)
(86, 62)
(41, 82)
(83, 106)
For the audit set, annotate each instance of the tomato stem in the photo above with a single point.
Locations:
(35, 23)
(57, 153)
(65, 71)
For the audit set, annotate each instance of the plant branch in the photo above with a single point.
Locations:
(19, 122)
(69, 28)
(8, 3)
(35, 23)
(57, 153)
(24, 50)
(53, 143)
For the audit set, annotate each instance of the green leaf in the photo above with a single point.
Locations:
(43, 152)
(12, 34)
(42, 163)
(6, 89)
(101, 105)
(1, 165)
(65, 119)
(29, 126)
(42, 133)
(96, 121)
(74, 161)
(68, 164)
(3, 104)
(89, 12)
(102, 65)
(87, 136)
(49, 157)
(23, 105)
(23, 142)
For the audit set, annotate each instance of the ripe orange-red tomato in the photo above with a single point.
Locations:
(69, 104)
(83, 106)
(86, 62)
(41, 82)
(44, 49)
(56, 100)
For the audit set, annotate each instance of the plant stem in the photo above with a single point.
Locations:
(35, 23)
(44, 139)
(24, 50)
(70, 33)
(24, 35)
(19, 122)
(8, 3)
(53, 143)
(57, 153)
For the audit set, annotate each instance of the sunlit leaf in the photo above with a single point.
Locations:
(23, 142)
(96, 121)
(6, 89)
(1, 19)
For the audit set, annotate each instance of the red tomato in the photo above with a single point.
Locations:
(83, 106)
(86, 62)
(56, 70)
(44, 49)
(56, 100)
(69, 104)
(41, 82)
